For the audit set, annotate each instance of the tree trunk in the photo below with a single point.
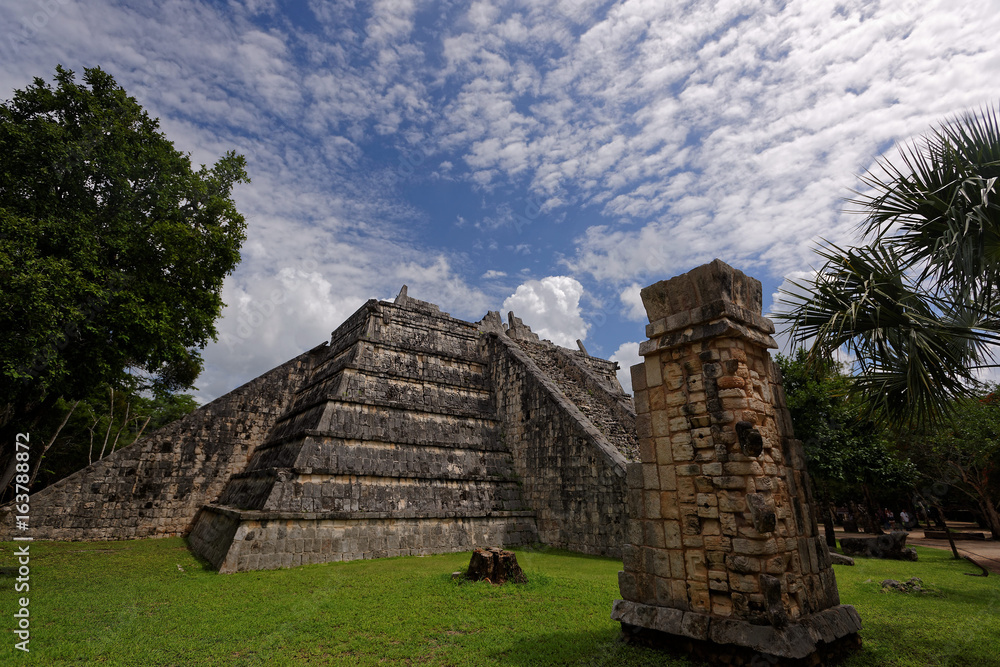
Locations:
(111, 421)
(128, 407)
(947, 531)
(992, 517)
(831, 534)
(872, 513)
(52, 440)
(495, 566)
(864, 519)
(8, 474)
(90, 453)
(20, 419)
(144, 425)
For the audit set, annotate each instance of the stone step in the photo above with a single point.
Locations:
(351, 416)
(419, 331)
(361, 385)
(391, 360)
(385, 458)
(239, 541)
(590, 403)
(289, 492)
(351, 516)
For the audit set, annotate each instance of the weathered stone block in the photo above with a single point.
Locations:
(761, 512)
(638, 373)
(668, 478)
(654, 377)
(681, 451)
(891, 546)
(672, 535)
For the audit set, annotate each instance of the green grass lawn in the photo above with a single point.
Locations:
(150, 602)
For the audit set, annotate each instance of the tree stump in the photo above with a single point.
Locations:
(495, 566)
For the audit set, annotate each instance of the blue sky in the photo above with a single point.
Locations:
(544, 157)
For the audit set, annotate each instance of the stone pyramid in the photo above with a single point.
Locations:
(409, 432)
(390, 448)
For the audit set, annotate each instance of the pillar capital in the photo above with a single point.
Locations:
(709, 301)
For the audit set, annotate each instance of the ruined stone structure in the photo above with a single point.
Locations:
(409, 432)
(723, 559)
(412, 432)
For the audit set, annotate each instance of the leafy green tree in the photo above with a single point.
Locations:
(964, 454)
(113, 249)
(849, 454)
(917, 305)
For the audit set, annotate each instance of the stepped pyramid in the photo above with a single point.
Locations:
(391, 447)
(409, 432)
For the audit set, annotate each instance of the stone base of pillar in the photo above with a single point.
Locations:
(822, 638)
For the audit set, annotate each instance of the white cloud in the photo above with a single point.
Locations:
(551, 307)
(781, 336)
(631, 298)
(438, 283)
(723, 129)
(269, 320)
(627, 355)
(665, 134)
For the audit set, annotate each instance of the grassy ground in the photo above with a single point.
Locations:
(150, 602)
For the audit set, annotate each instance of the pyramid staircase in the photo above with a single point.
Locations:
(391, 447)
(603, 404)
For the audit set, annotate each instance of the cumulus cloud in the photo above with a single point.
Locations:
(786, 290)
(551, 307)
(627, 355)
(722, 129)
(630, 297)
(269, 319)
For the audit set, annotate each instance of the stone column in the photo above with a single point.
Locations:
(723, 558)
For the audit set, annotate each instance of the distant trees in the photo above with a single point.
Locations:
(918, 306)
(850, 455)
(964, 454)
(113, 251)
(75, 433)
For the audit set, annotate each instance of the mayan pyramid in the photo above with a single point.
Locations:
(409, 432)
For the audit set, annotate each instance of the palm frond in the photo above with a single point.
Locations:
(915, 350)
(939, 205)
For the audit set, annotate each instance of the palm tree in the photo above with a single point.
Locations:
(917, 305)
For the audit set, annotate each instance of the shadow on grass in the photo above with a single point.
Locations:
(205, 565)
(589, 649)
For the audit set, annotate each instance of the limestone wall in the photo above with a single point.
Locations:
(155, 487)
(268, 543)
(572, 476)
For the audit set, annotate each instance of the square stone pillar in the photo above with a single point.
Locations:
(723, 558)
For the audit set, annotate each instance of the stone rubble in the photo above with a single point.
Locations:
(891, 546)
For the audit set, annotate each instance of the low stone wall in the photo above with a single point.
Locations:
(155, 487)
(572, 476)
(239, 541)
